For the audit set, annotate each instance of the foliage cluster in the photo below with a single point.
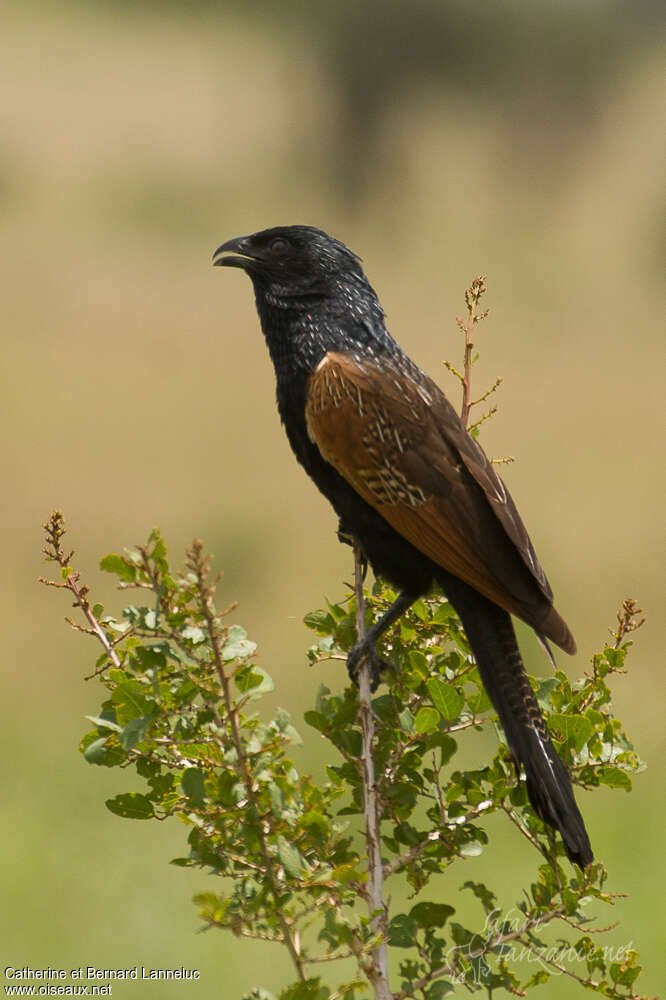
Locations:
(181, 689)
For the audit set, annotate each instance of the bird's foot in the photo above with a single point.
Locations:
(346, 537)
(365, 652)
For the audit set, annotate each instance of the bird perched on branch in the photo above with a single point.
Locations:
(383, 444)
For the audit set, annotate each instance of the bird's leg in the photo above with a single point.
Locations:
(346, 537)
(365, 647)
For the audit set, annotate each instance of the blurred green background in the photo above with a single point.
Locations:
(439, 140)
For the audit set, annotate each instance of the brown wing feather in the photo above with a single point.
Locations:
(402, 447)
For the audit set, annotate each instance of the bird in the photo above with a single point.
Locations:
(384, 445)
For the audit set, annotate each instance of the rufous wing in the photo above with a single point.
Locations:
(398, 442)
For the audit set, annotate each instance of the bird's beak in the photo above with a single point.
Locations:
(238, 246)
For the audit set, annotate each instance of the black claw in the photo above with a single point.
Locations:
(362, 652)
(346, 537)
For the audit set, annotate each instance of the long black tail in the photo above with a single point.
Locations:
(493, 641)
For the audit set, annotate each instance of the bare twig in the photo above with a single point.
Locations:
(54, 552)
(627, 622)
(525, 832)
(378, 973)
(472, 296)
(486, 416)
(494, 387)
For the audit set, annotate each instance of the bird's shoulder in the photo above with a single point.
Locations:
(391, 432)
(372, 386)
(398, 410)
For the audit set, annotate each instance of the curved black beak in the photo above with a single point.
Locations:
(238, 245)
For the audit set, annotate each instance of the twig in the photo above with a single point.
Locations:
(378, 973)
(472, 296)
(451, 969)
(55, 531)
(413, 853)
(626, 617)
(544, 957)
(198, 564)
(494, 387)
(534, 841)
(486, 416)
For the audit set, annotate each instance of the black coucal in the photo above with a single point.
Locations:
(383, 444)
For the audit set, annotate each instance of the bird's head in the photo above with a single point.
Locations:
(290, 261)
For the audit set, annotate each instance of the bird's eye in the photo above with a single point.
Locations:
(278, 245)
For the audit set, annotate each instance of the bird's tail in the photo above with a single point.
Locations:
(490, 632)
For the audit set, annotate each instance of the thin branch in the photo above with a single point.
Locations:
(378, 973)
(334, 956)
(454, 371)
(546, 959)
(486, 416)
(626, 617)
(412, 854)
(534, 841)
(199, 567)
(55, 531)
(494, 387)
(472, 296)
(451, 969)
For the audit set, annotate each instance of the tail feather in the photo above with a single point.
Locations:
(493, 641)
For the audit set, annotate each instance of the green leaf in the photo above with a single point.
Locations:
(131, 805)
(428, 914)
(615, 657)
(402, 931)
(254, 679)
(446, 699)
(471, 850)
(116, 564)
(98, 720)
(150, 657)
(320, 621)
(130, 701)
(237, 645)
(135, 731)
(290, 858)
(316, 822)
(426, 719)
(308, 989)
(614, 778)
(479, 702)
(539, 977)
(193, 633)
(439, 989)
(97, 753)
(572, 729)
(406, 720)
(402, 795)
(104, 751)
(192, 783)
(317, 720)
(444, 614)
